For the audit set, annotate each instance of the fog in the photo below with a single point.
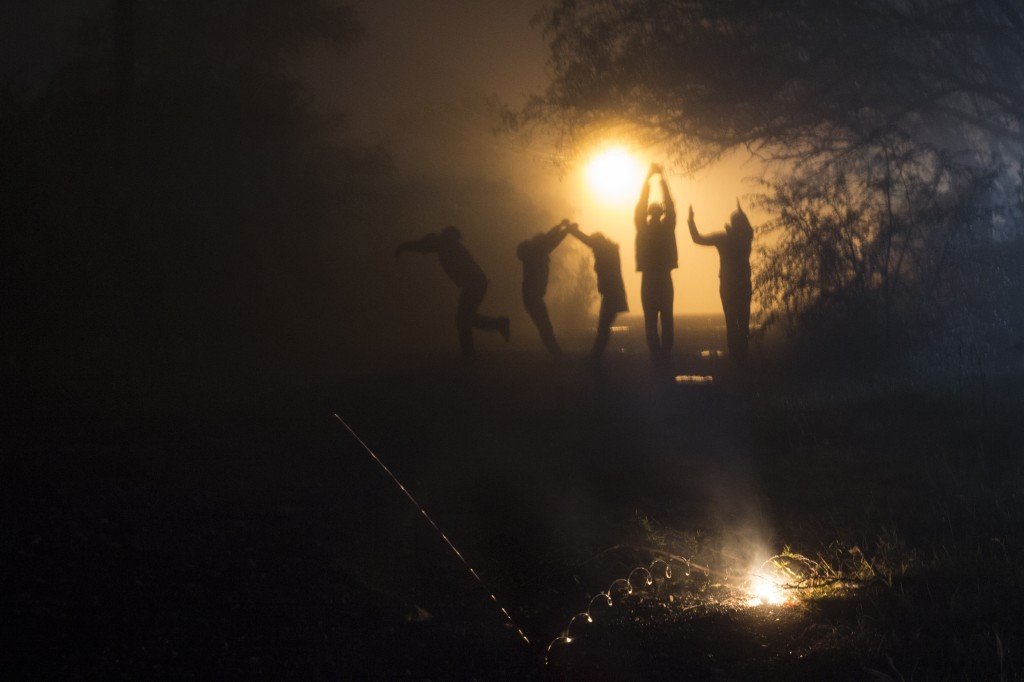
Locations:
(268, 211)
(426, 83)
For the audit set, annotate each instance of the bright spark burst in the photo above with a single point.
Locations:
(765, 591)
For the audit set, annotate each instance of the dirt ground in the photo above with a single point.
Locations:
(248, 533)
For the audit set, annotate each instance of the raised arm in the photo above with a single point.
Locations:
(698, 238)
(574, 230)
(640, 212)
(670, 206)
(555, 235)
(426, 244)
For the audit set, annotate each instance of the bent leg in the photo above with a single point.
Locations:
(539, 314)
(470, 298)
(485, 322)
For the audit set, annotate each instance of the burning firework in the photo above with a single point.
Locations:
(771, 582)
(764, 590)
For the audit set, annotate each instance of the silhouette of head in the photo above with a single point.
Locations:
(529, 246)
(451, 232)
(655, 211)
(738, 223)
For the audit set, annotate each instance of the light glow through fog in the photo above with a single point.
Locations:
(614, 176)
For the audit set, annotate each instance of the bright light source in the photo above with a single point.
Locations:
(615, 176)
(764, 591)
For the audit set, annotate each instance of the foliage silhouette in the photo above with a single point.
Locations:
(798, 78)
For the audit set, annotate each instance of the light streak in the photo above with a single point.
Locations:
(607, 600)
(648, 581)
(444, 537)
(624, 581)
(625, 584)
(761, 589)
(695, 379)
(668, 569)
(585, 616)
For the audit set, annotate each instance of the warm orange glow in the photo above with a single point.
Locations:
(765, 591)
(614, 176)
(606, 186)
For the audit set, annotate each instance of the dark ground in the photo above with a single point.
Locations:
(245, 532)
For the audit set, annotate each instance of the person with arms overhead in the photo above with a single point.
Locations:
(656, 258)
(459, 265)
(734, 276)
(608, 268)
(536, 256)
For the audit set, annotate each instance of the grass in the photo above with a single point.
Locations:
(925, 488)
(898, 516)
(248, 535)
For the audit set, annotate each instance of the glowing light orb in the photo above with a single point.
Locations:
(615, 176)
(764, 591)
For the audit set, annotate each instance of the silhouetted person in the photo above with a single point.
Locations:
(656, 258)
(608, 268)
(734, 276)
(467, 275)
(536, 256)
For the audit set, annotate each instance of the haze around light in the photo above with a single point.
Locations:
(613, 176)
(429, 107)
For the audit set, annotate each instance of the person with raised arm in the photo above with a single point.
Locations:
(459, 265)
(733, 246)
(608, 268)
(535, 253)
(656, 258)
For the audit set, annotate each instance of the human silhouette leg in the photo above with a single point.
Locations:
(668, 326)
(656, 297)
(736, 306)
(742, 316)
(470, 298)
(605, 318)
(493, 324)
(649, 303)
(539, 314)
(468, 319)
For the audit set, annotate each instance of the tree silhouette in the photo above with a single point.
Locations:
(788, 78)
(893, 244)
(184, 187)
(892, 124)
